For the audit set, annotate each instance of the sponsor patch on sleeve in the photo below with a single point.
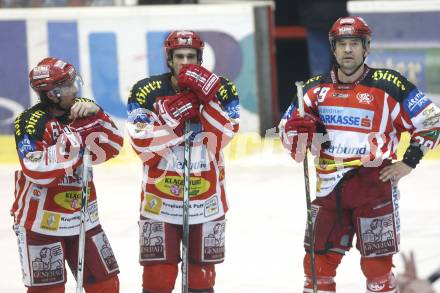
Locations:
(233, 109)
(25, 146)
(415, 103)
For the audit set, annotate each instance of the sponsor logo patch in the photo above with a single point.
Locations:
(50, 221)
(211, 207)
(432, 117)
(34, 156)
(415, 102)
(340, 95)
(214, 241)
(47, 264)
(153, 204)
(346, 150)
(70, 200)
(378, 236)
(105, 252)
(390, 77)
(152, 240)
(40, 72)
(346, 116)
(173, 185)
(26, 146)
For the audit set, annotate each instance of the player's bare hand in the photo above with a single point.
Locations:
(395, 171)
(83, 109)
(408, 280)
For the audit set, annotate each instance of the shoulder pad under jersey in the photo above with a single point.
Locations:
(227, 91)
(315, 80)
(145, 91)
(391, 81)
(32, 122)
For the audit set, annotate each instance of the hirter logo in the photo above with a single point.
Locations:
(365, 98)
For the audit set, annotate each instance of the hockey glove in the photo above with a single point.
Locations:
(174, 110)
(201, 81)
(84, 127)
(306, 132)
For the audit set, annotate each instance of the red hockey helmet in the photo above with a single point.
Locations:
(51, 73)
(352, 26)
(183, 39)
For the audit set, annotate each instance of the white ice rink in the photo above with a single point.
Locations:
(264, 232)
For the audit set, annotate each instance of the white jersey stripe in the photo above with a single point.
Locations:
(385, 114)
(217, 124)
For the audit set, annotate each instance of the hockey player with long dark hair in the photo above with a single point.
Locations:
(51, 137)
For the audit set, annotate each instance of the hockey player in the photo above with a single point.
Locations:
(50, 138)
(158, 107)
(362, 112)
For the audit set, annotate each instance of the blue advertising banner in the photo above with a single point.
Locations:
(115, 47)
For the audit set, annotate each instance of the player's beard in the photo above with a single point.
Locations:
(349, 65)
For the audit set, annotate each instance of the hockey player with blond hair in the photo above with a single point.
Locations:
(354, 118)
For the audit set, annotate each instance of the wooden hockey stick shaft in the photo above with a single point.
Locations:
(83, 215)
(185, 208)
(310, 232)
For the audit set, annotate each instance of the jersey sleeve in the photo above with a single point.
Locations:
(412, 112)
(41, 158)
(221, 116)
(149, 138)
(421, 117)
(105, 141)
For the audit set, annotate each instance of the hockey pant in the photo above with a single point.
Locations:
(43, 261)
(160, 254)
(360, 204)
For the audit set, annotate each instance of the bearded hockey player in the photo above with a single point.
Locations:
(51, 137)
(354, 117)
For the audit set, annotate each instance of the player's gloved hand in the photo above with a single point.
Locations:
(87, 128)
(83, 108)
(306, 132)
(200, 80)
(174, 110)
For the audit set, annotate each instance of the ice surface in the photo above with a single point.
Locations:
(264, 231)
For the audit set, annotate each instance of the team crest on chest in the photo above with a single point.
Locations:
(365, 98)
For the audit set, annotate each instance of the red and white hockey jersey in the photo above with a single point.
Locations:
(162, 152)
(48, 187)
(365, 120)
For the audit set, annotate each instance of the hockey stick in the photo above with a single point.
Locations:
(82, 227)
(185, 209)
(299, 88)
(83, 209)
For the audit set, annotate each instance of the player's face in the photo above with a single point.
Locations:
(65, 94)
(183, 56)
(349, 53)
